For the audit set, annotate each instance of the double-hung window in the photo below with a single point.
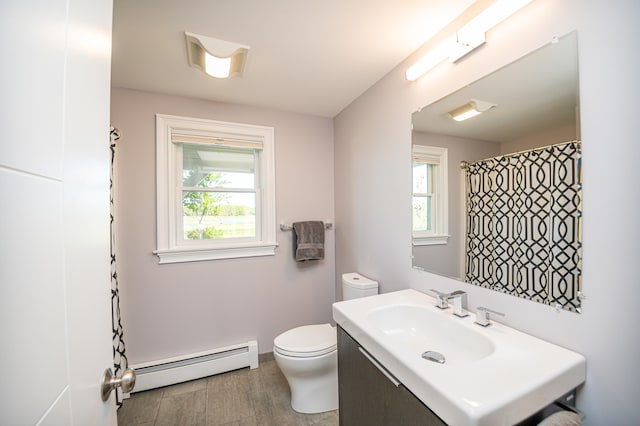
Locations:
(215, 190)
(429, 165)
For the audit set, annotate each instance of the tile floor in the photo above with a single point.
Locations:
(258, 397)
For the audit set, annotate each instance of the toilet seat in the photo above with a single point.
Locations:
(307, 341)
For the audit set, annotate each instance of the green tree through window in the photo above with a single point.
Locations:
(203, 203)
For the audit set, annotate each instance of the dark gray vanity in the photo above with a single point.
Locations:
(368, 397)
(485, 376)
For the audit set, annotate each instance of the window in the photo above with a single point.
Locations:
(215, 190)
(429, 165)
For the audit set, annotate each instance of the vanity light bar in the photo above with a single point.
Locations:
(467, 38)
(431, 59)
(490, 17)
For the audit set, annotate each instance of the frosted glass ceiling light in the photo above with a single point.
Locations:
(215, 57)
(467, 38)
(470, 109)
(217, 67)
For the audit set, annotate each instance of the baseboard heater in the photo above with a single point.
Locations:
(155, 374)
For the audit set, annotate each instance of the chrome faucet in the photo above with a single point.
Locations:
(483, 316)
(459, 298)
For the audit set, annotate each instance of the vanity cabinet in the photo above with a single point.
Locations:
(368, 397)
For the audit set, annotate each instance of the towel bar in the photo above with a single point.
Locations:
(283, 227)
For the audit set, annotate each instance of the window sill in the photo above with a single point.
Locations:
(180, 255)
(430, 240)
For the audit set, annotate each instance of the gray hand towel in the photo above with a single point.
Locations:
(309, 240)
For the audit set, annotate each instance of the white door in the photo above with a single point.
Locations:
(55, 316)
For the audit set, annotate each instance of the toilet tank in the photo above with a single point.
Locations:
(355, 285)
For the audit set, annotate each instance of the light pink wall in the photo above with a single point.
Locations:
(176, 309)
(547, 137)
(373, 181)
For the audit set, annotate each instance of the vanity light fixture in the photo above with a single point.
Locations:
(430, 60)
(215, 57)
(467, 38)
(470, 109)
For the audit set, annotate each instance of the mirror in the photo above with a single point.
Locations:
(531, 103)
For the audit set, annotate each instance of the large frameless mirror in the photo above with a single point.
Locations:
(497, 197)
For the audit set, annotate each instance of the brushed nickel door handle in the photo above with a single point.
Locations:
(109, 382)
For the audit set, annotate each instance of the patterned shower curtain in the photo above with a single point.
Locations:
(120, 362)
(523, 224)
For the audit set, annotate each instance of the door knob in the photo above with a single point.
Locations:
(109, 382)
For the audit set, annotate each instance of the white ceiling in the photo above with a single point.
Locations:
(312, 57)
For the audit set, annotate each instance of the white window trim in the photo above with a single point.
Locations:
(441, 234)
(169, 249)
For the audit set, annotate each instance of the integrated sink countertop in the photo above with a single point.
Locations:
(492, 375)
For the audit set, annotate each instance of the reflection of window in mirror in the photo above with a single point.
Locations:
(429, 165)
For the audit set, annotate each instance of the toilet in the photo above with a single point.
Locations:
(308, 355)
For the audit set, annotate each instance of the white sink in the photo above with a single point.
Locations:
(419, 329)
(491, 375)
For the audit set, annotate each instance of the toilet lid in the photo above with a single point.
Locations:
(307, 341)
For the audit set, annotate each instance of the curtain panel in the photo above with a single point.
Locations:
(120, 362)
(524, 216)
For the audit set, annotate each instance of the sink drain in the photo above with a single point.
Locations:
(433, 356)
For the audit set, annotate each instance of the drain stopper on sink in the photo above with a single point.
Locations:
(433, 356)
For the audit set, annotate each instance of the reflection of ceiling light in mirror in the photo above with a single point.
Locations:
(467, 38)
(215, 57)
(471, 109)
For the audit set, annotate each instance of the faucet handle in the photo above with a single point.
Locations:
(483, 315)
(441, 299)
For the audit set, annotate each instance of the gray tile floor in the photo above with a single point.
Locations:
(258, 397)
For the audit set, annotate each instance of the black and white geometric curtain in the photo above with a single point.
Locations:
(120, 362)
(524, 214)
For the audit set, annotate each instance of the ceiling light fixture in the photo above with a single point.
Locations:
(471, 109)
(215, 57)
(467, 38)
